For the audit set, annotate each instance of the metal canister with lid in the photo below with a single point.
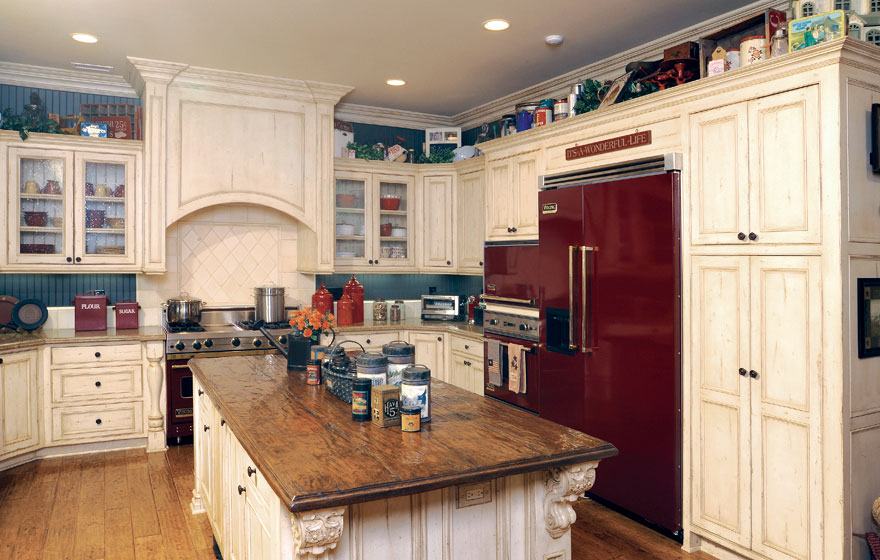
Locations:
(400, 354)
(560, 109)
(415, 389)
(372, 366)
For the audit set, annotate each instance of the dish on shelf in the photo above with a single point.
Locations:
(385, 252)
(398, 232)
(52, 187)
(385, 229)
(116, 223)
(344, 229)
(57, 221)
(36, 248)
(111, 250)
(90, 189)
(31, 187)
(345, 254)
(389, 202)
(36, 219)
(101, 191)
(6, 305)
(398, 252)
(95, 218)
(119, 191)
(347, 200)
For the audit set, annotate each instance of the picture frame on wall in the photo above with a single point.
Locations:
(868, 298)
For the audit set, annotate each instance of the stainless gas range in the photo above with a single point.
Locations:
(223, 331)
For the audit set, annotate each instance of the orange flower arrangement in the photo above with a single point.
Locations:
(310, 322)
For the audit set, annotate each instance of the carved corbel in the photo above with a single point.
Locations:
(317, 531)
(565, 485)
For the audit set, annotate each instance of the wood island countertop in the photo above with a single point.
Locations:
(314, 455)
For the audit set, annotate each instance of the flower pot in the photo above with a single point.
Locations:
(298, 349)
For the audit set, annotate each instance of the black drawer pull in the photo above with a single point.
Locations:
(251, 471)
(206, 427)
(466, 347)
(1, 360)
(481, 263)
(753, 374)
(241, 489)
(367, 341)
(97, 383)
(97, 354)
(201, 392)
(98, 421)
(448, 262)
(439, 339)
(222, 421)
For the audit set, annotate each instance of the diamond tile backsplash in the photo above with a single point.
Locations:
(222, 263)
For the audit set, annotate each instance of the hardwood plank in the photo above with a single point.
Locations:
(89, 540)
(22, 482)
(48, 469)
(11, 513)
(164, 493)
(199, 528)
(149, 548)
(33, 529)
(118, 538)
(60, 538)
(143, 507)
(61, 535)
(175, 534)
(115, 480)
(90, 510)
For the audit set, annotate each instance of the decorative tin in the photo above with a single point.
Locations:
(90, 312)
(372, 366)
(753, 49)
(410, 420)
(127, 314)
(360, 400)
(313, 372)
(415, 389)
(543, 115)
(385, 405)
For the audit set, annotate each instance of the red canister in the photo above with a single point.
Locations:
(543, 115)
(90, 312)
(322, 300)
(355, 290)
(344, 311)
(127, 314)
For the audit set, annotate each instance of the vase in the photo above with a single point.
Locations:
(298, 350)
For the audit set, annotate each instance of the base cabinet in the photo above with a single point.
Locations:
(430, 351)
(19, 411)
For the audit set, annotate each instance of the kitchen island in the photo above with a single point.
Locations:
(284, 472)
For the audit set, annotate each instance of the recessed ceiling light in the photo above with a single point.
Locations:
(92, 67)
(553, 40)
(395, 82)
(496, 24)
(84, 37)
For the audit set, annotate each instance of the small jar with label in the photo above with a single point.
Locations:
(402, 306)
(415, 389)
(372, 366)
(313, 372)
(380, 310)
(360, 400)
(410, 419)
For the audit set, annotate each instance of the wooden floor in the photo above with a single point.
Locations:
(129, 504)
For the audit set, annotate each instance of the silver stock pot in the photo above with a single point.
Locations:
(183, 309)
(269, 304)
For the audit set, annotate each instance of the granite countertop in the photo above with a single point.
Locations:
(415, 324)
(313, 455)
(13, 342)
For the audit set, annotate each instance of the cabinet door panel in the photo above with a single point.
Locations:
(459, 372)
(397, 249)
(438, 230)
(720, 409)
(430, 351)
(352, 208)
(471, 221)
(500, 200)
(786, 307)
(526, 185)
(719, 175)
(105, 223)
(784, 167)
(18, 402)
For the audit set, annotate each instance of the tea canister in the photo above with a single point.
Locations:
(400, 354)
(543, 115)
(318, 352)
(372, 366)
(344, 311)
(385, 405)
(410, 417)
(360, 400)
(753, 49)
(560, 109)
(732, 57)
(415, 389)
(380, 309)
(313, 372)
(322, 300)
(355, 290)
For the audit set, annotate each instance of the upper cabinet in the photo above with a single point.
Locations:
(471, 219)
(512, 195)
(438, 225)
(72, 204)
(755, 174)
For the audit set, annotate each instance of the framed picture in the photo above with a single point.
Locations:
(813, 30)
(616, 89)
(869, 317)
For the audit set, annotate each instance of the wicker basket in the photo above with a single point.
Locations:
(338, 384)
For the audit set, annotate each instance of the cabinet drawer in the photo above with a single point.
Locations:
(368, 340)
(96, 354)
(70, 385)
(98, 421)
(464, 345)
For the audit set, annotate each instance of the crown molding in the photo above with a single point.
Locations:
(603, 69)
(389, 117)
(143, 70)
(80, 81)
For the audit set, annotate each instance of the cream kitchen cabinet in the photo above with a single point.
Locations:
(512, 195)
(72, 205)
(755, 171)
(371, 234)
(371, 341)
(756, 385)
(430, 351)
(437, 204)
(470, 221)
(19, 403)
(466, 363)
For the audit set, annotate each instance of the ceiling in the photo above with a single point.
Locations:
(450, 63)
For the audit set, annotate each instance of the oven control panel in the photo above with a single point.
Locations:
(512, 326)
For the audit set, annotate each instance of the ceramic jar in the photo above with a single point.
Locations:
(322, 300)
(732, 57)
(753, 49)
(355, 290)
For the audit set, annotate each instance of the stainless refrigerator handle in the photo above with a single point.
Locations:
(508, 299)
(572, 251)
(586, 297)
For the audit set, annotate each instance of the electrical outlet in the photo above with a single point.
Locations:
(474, 494)
(468, 495)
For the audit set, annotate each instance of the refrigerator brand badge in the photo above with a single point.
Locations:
(610, 145)
(548, 208)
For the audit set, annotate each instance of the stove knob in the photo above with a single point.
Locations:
(236, 342)
(283, 339)
(523, 326)
(197, 345)
(209, 343)
(493, 321)
(179, 345)
(258, 342)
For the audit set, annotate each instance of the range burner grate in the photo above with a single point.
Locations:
(251, 325)
(184, 327)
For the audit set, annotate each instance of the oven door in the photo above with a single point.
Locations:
(530, 400)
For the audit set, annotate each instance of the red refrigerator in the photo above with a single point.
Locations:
(610, 357)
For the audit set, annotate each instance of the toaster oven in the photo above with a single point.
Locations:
(442, 308)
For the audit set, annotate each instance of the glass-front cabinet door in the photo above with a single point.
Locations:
(104, 213)
(41, 206)
(353, 220)
(394, 204)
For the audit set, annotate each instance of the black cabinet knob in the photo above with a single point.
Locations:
(513, 230)
(368, 341)
(69, 259)
(201, 392)
(376, 261)
(251, 471)
(1, 360)
(78, 259)
(371, 261)
(753, 374)
(439, 339)
(753, 236)
(97, 354)
(448, 262)
(481, 263)
(741, 236)
(98, 421)
(241, 489)
(743, 372)
(466, 347)
(222, 421)
(509, 230)
(207, 427)
(97, 383)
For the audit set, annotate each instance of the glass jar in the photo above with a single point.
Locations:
(402, 305)
(779, 43)
(380, 310)
(394, 313)
(415, 389)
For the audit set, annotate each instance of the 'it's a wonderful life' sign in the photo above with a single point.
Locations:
(610, 145)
